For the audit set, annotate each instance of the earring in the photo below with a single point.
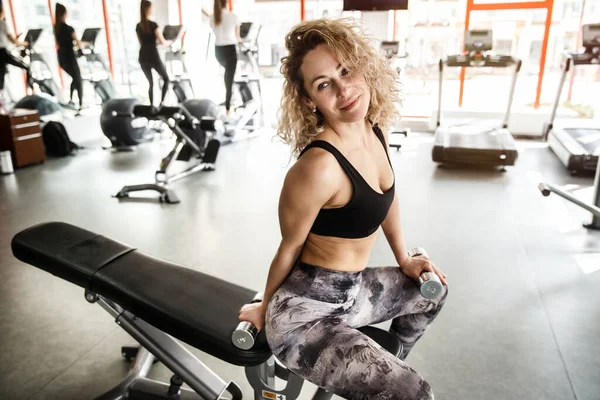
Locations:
(314, 110)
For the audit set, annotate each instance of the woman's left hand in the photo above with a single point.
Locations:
(413, 267)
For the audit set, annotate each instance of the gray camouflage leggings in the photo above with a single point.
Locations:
(311, 321)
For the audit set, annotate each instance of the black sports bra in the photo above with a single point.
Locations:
(367, 208)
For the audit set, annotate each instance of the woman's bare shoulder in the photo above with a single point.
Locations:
(316, 171)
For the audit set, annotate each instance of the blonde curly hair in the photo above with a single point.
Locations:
(298, 124)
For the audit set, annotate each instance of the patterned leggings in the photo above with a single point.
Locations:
(311, 321)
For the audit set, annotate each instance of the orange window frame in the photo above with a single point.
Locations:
(547, 4)
(108, 38)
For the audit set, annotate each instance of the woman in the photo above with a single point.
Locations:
(5, 57)
(148, 33)
(67, 59)
(339, 98)
(226, 26)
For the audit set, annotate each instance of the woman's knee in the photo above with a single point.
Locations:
(425, 391)
(410, 386)
(381, 380)
(440, 300)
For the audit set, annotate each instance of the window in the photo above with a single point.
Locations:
(535, 51)
(503, 47)
(41, 10)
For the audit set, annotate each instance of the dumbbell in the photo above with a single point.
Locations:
(429, 283)
(244, 335)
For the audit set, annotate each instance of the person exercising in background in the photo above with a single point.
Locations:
(67, 59)
(5, 57)
(226, 26)
(339, 99)
(148, 33)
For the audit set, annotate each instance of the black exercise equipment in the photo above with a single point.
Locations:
(577, 142)
(159, 303)
(175, 64)
(46, 106)
(472, 144)
(193, 140)
(201, 108)
(95, 69)
(121, 127)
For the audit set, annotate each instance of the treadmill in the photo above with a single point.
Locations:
(96, 71)
(175, 63)
(577, 143)
(391, 51)
(476, 144)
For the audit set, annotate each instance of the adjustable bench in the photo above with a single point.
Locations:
(159, 304)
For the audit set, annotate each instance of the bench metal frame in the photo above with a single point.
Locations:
(187, 368)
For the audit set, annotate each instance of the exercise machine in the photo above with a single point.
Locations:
(45, 88)
(577, 142)
(6, 94)
(96, 71)
(156, 312)
(175, 64)
(193, 123)
(122, 127)
(476, 144)
(594, 207)
(577, 145)
(391, 51)
(248, 114)
(40, 70)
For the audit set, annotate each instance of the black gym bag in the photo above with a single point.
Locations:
(56, 140)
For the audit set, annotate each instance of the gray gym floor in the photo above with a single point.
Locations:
(521, 320)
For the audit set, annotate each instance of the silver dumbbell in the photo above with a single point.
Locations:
(429, 283)
(244, 335)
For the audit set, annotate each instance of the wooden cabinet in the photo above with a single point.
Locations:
(20, 132)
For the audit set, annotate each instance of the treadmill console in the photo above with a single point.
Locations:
(390, 48)
(478, 40)
(591, 42)
(591, 35)
(249, 32)
(90, 35)
(32, 36)
(172, 32)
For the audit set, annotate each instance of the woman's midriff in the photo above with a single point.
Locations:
(339, 254)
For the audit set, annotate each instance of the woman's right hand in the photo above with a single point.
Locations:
(253, 313)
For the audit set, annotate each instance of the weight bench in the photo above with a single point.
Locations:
(184, 125)
(159, 304)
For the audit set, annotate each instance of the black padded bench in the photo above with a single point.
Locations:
(157, 302)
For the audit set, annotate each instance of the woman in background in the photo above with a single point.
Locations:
(67, 59)
(5, 57)
(226, 26)
(148, 33)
